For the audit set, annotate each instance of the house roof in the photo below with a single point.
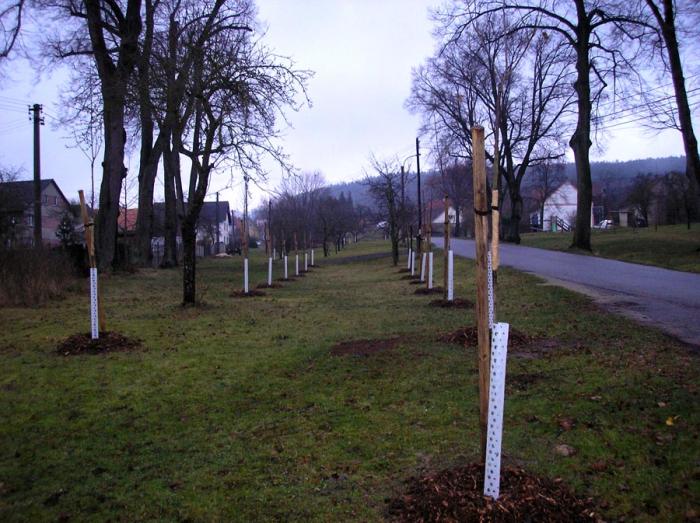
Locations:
(131, 215)
(21, 194)
(208, 212)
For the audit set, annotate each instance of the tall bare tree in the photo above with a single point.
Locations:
(602, 36)
(384, 184)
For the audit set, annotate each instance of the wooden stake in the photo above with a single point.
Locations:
(481, 227)
(446, 246)
(89, 228)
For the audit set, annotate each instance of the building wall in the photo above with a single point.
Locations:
(53, 206)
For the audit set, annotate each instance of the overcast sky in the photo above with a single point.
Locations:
(361, 51)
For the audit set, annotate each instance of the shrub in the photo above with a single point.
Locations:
(30, 277)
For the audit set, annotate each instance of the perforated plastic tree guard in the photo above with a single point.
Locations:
(286, 269)
(422, 267)
(499, 352)
(430, 270)
(450, 276)
(245, 275)
(408, 260)
(490, 290)
(94, 324)
(269, 272)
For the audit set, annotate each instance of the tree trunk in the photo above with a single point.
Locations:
(112, 175)
(457, 221)
(148, 171)
(581, 141)
(189, 263)
(690, 142)
(171, 166)
(516, 212)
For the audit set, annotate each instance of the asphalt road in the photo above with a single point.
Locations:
(669, 300)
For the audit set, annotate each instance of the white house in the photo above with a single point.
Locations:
(559, 210)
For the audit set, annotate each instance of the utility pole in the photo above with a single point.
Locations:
(35, 116)
(217, 222)
(420, 211)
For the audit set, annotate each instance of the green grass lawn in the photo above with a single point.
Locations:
(670, 246)
(236, 411)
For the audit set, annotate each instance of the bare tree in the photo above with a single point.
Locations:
(108, 32)
(237, 90)
(642, 194)
(518, 83)
(602, 35)
(546, 178)
(10, 25)
(384, 184)
(667, 16)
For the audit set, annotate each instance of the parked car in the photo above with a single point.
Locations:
(605, 224)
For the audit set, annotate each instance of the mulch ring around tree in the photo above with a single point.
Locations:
(415, 280)
(364, 347)
(467, 336)
(425, 290)
(403, 270)
(252, 293)
(456, 303)
(457, 495)
(285, 279)
(107, 342)
(264, 285)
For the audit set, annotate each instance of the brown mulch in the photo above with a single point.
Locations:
(403, 270)
(315, 266)
(264, 285)
(107, 342)
(416, 281)
(425, 290)
(364, 347)
(285, 279)
(467, 336)
(252, 293)
(457, 495)
(456, 303)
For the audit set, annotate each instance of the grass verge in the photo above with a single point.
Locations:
(237, 410)
(669, 246)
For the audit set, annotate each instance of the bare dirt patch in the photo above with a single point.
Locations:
(364, 347)
(425, 291)
(400, 271)
(467, 337)
(264, 285)
(457, 303)
(456, 495)
(107, 342)
(252, 293)
(416, 281)
(285, 279)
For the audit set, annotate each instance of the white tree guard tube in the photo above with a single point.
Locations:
(422, 267)
(94, 321)
(286, 272)
(499, 352)
(306, 262)
(430, 270)
(269, 272)
(450, 276)
(408, 259)
(413, 263)
(490, 290)
(296, 265)
(312, 258)
(245, 275)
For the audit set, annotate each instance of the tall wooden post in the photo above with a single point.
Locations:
(89, 227)
(446, 246)
(481, 228)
